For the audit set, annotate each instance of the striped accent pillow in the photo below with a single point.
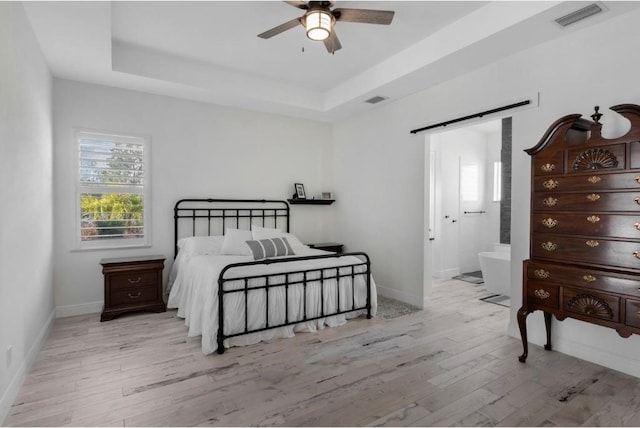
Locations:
(274, 247)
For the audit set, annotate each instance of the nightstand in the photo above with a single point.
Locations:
(132, 284)
(328, 246)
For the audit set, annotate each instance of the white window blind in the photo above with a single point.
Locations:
(469, 183)
(112, 190)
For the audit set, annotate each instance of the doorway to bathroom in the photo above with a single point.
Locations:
(469, 200)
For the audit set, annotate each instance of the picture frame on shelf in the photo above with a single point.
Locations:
(300, 193)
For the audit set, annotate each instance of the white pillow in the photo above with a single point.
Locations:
(259, 232)
(235, 242)
(194, 245)
(294, 241)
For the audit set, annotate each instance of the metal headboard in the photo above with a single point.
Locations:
(206, 217)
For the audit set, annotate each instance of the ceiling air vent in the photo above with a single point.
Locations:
(579, 15)
(376, 99)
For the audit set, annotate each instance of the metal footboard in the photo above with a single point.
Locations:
(305, 278)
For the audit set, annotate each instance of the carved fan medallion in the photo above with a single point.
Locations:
(590, 305)
(595, 159)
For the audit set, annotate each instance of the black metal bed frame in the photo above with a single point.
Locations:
(199, 211)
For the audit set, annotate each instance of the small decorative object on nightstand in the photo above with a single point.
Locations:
(132, 284)
(328, 246)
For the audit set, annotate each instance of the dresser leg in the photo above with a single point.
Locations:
(547, 324)
(523, 312)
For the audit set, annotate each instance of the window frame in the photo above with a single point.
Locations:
(115, 243)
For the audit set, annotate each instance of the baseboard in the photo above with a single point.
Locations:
(392, 293)
(11, 393)
(446, 274)
(583, 351)
(81, 309)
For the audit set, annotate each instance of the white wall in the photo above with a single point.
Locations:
(26, 291)
(197, 150)
(383, 182)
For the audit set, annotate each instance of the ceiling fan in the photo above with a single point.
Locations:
(319, 20)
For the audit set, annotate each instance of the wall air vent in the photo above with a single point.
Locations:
(376, 99)
(579, 15)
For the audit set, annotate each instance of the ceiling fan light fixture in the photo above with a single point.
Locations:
(318, 23)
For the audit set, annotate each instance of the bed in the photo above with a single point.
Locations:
(240, 277)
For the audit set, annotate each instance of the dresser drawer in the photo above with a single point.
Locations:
(586, 250)
(612, 225)
(543, 294)
(633, 313)
(600, 159)
(596, 201)
(595, 181)
(133, 279)
(587, 278)
(587, 303)
(135, 295)
(549, 165)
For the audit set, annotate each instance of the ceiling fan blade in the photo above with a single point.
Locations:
(280, 28)
(365, 16)
(298, 3)
(332, 43)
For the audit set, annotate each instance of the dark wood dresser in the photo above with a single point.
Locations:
(585, 226)
(132, 284)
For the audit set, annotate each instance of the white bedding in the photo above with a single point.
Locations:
(194, 293)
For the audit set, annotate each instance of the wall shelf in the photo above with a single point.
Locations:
(311, 201)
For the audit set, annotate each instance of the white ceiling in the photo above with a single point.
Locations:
(209, 50)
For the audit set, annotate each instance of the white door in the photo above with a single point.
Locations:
(472, 214)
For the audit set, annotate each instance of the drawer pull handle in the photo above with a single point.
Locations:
(592, 243)
(131, 296)
(548, 167)
(637, 226)
(134, 281)
(637, 179)
(550, 202)
(636, 254)
(542, 294)
(595, 219)
(594, 179)
(549, 246)
(550, 184)
(541, 273)
(594, 197)
(637, 201)
(550, 222)
(589, 278)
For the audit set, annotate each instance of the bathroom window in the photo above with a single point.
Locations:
(469, 183)
(497, 181)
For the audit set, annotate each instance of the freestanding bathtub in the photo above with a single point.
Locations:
(496, 269)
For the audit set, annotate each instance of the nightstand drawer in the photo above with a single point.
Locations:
(133, 279)
(134, 295)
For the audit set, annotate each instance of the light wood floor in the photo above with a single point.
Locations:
(449, 365)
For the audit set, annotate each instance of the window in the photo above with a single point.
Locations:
(497, 181)
(113, 190)
(469, 183)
